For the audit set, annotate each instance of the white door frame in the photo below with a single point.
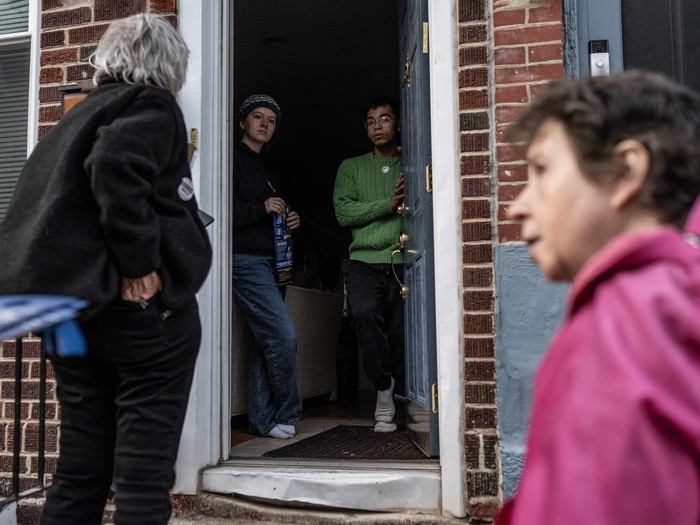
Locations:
(205, 97)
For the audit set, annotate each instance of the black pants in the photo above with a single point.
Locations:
(376, 310)
(123, 406)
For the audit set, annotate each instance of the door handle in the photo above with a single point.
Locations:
(403, 209)
(402, 286)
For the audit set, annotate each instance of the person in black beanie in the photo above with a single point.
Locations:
(273, 395)
(104, 210)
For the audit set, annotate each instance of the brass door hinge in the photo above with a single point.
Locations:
(429, 178)
(434, 390)
(425, 37)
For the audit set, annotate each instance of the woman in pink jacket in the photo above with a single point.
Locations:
(610, 205)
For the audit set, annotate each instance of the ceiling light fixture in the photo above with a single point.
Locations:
(273, 41)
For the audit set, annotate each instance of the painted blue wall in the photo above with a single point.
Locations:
(528, 310)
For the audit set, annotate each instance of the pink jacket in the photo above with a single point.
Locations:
(615, 430)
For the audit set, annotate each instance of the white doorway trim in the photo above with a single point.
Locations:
(205, 98)
(444, 108)
(204, 101)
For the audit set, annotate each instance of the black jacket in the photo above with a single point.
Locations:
(107, 194)
(253, 184)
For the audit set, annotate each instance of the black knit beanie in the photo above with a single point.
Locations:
(259, 101)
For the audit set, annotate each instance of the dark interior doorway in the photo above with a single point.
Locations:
(322, 60)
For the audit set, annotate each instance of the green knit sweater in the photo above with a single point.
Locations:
(361, 200)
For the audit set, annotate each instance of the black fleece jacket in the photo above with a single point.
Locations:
(253, 184)
(107, 194)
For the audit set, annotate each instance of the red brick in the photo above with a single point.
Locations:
(114, 9)
(472, 56)
(59, 56)
(475, 165)
(481, 484)
(549, 13)
(477, 277)
(472, 450)
(510, 17)
(484, 510)
(505, 56)
(52, 38)
(85, 52)
(511, 94)
(510, 153)
(474, 301)
(531, 73)
(476, 187)
(473, 142)
(471, 10)
(50, 4)
(163, 6)
(49, 113)
(71, 17)
(473, 99)
(476, 209)
(473, 121)
(49, 94)
(478, 346)
(528, 35)
(43, 130)
(478, 324)
(480, 394)
(87, 35)
(509, 232)
(472, 34)
(81, 72)
(477, 253)
(508, 113)
(481, 418)
(472, 78)
(512, 173)
(476, 231)
(508, 192)
(545, 53)
(50, 75)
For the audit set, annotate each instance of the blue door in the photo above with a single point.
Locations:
(417, 241)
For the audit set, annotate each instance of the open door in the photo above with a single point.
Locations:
(417, 241)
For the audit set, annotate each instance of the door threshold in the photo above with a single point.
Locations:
(357, 485)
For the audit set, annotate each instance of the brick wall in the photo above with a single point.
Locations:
(70, 31)
(507, 48)
(482, 476)
(527, 51)
(29, 412)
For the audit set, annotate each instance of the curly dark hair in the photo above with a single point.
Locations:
(598, 113)
(383, 100)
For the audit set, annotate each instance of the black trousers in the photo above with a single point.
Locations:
(376, 310)
(123, 406)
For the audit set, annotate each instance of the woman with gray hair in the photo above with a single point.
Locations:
(104, 210)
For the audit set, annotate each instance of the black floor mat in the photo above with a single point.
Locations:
(352, 442)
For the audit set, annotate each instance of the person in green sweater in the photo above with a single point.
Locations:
(368, 191)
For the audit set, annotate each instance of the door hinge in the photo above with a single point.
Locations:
(429, 178)
(434, 389)
(425, 37)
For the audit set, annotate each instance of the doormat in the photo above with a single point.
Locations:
(352, 442)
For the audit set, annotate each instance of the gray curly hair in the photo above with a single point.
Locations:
(142, 49)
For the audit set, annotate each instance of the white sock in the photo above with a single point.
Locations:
(383, 428)
(278, 433)
(287, 429)
(385, 409)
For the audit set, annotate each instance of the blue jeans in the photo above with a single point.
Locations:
(273, 395)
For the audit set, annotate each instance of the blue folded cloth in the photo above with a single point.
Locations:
(53, 315)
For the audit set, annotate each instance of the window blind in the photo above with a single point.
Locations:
(14, 16)
(14, 108)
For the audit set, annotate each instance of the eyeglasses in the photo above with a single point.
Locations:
(382, 121)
